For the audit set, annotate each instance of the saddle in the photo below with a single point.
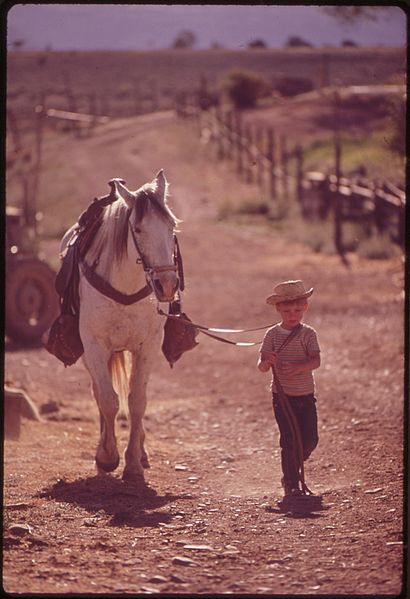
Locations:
(64, 340)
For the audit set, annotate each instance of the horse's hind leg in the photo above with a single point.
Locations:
(107, 457)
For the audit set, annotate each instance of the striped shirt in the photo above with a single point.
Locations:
(303, 346)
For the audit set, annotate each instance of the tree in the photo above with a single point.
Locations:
(295, 41)
(18, 44)
(349, 14)
(349, 44)
(257, 44)
(245, 87)
(185, 39)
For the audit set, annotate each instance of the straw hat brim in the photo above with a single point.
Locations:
(276, 298)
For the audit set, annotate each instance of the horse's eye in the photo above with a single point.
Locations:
(137, 230)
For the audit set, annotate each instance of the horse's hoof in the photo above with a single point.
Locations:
(130, 476)
(107, 466)
(145, 461)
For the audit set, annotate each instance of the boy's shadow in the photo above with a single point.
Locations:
(127, 504)
(304, 506)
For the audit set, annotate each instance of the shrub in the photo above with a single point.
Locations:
(297, 42)
(257, 44)
(397, 114)
(244, 88)
(378, 247)
(292, 86)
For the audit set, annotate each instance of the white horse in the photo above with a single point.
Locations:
(131, 257)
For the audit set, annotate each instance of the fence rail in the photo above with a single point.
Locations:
(79, 122)
(269, 160)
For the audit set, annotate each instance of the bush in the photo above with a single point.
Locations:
(397, 113)
(297, 42)
(378, 247)
(292, 86)
(244, 88)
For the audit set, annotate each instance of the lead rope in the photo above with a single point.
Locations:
(206, 330)
(293, 423)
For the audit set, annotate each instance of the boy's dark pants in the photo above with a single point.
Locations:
(304, 408)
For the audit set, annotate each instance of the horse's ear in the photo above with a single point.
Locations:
(161, 185)
(122, 191)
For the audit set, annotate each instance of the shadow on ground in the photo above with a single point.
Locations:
(305, 506)
(125, 503)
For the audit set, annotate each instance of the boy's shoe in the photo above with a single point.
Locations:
(291, 490)
(296, 492)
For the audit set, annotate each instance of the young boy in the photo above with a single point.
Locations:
(293, 366)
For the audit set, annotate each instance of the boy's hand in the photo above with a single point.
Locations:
(269, 357)
(290, 368)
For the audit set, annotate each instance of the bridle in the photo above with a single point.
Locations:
(151, 274)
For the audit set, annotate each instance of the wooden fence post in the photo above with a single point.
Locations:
(284, 171)
(249, 153)
(259, 156)
(92, 109)
(41, 112)
(218, 117)
(299, 175)
(228, 130)
(239, 142)
(270, 155)
(337, 199)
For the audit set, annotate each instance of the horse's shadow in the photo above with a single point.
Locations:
(126, 504)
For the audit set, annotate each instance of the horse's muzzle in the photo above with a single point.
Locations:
(165, 285)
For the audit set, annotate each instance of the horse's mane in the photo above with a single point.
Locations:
(113, 232)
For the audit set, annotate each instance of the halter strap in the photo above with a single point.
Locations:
(108, 290)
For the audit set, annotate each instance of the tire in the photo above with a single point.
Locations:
(32, 303)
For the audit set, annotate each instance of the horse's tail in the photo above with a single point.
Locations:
(120, 375)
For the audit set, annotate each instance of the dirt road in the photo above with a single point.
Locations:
(208, 522)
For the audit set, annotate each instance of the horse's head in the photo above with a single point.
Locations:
(151, 233)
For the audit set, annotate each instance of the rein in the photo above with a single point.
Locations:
(207, 330)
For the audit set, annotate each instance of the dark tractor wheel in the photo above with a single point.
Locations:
(31, 300)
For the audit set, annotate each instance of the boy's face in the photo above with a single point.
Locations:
(291, 312)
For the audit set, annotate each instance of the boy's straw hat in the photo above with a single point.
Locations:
(288, 291)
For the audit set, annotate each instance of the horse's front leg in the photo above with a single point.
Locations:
(96, 360)
(136, 458)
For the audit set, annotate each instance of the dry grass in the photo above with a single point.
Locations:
(123, 76)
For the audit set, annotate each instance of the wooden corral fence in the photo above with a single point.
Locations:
(79, 123)
(377, 206)
(261, 156)
(25, 146)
